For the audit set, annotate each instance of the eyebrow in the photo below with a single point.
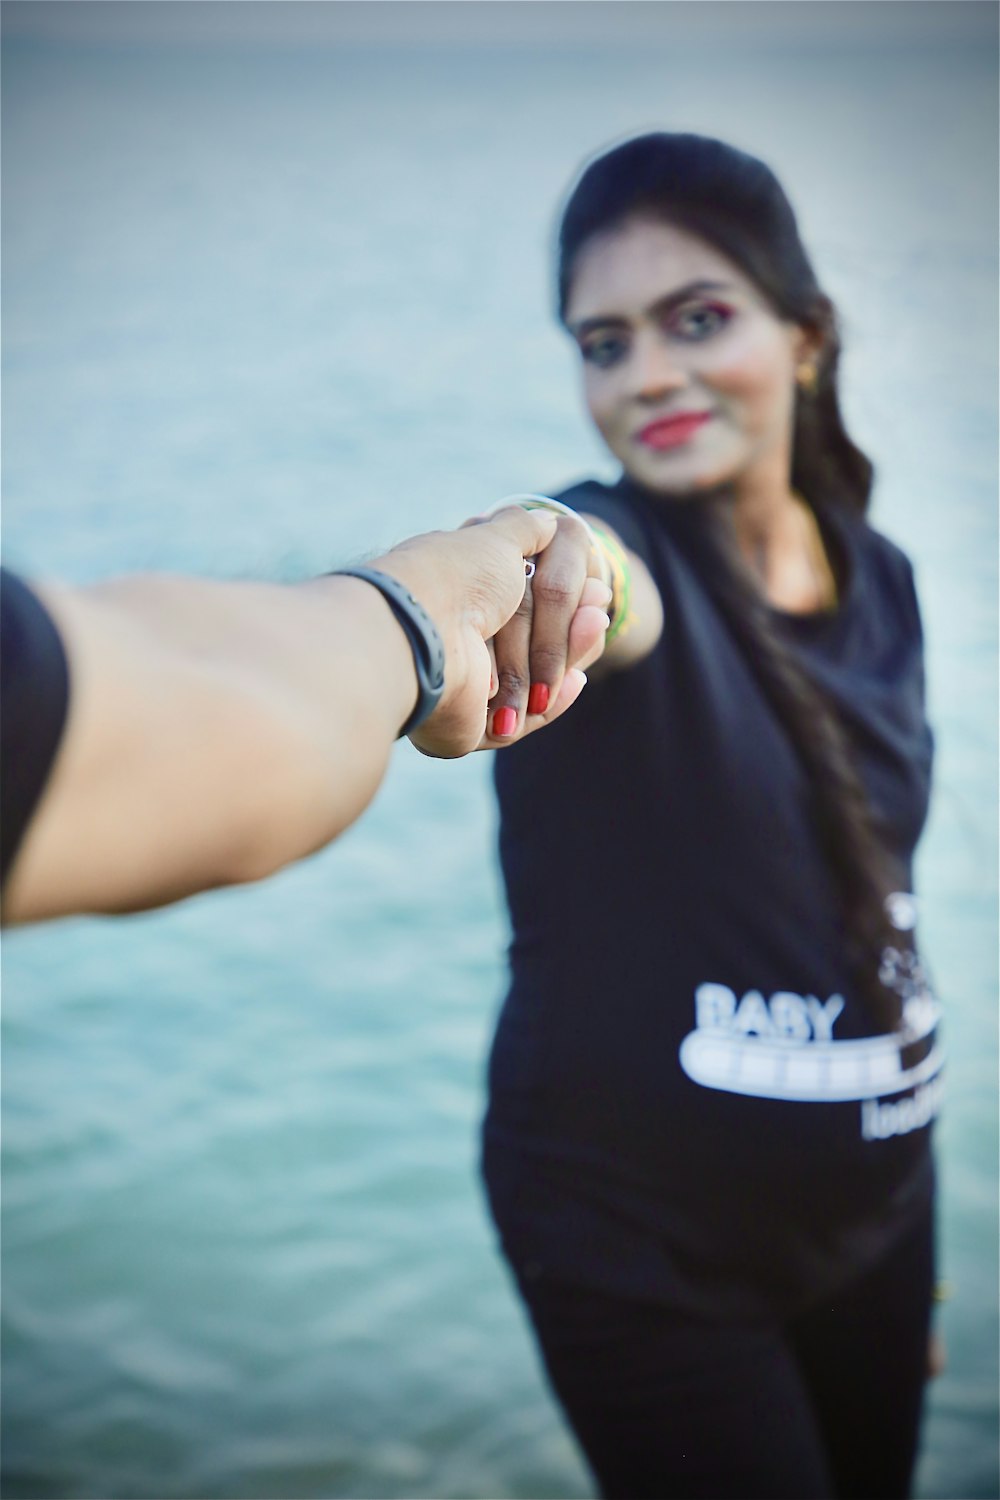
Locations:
(656, 309)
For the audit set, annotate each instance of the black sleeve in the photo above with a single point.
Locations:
(34, 681)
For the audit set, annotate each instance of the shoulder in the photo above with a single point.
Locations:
(887, 554)
(885, 569)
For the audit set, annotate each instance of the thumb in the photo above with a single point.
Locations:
(520, 534)
(530, 531)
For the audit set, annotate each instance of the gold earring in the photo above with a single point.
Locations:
(806, 378)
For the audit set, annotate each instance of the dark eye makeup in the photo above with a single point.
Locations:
(695, 321)
(692, 322)
(603, 350)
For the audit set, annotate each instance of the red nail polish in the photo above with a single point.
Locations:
(538, 698)
(504, 722)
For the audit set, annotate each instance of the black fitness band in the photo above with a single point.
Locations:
(422, 634)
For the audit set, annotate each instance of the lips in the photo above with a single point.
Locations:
(672, 432)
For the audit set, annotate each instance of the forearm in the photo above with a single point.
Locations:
(215, 732)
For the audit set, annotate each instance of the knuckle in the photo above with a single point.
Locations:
(573, 526)
(556, 592)
(575, 531)
(546, 663)
(513, 682)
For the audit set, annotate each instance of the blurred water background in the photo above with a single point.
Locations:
(276, 293)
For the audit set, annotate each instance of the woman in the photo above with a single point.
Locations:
(711, 1090)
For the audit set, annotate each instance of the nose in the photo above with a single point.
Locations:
(656, 371)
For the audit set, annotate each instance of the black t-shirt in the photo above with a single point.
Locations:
(35, 686)
(687, 1101)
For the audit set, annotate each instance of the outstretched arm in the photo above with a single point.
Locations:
(634, 636)
(217, 731)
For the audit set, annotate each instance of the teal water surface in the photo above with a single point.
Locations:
(267, 308)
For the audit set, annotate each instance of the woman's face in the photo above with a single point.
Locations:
(688, 372)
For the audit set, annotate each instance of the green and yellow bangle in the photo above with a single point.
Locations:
(620, 582)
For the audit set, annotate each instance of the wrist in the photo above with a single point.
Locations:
(619, 578)
(421, 634)
(383, 683)
(427, 583)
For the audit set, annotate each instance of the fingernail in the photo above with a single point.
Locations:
(538, 698)
(504, 722)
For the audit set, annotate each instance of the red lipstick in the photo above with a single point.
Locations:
(672, 432)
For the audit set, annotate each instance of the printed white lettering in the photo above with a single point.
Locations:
(920, 1014)
(823, 1016)
(784, 1048)
(901, 909)
(790, 1017)
(879, 1121)
(714, 1004)
(753, 1017)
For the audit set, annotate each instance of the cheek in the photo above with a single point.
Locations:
(598, 394)
(756, 372)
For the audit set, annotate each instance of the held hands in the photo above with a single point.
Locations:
(558, 629)
(502, 634)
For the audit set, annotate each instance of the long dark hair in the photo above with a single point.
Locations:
(734, 202)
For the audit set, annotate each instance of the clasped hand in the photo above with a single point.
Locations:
(516, 649)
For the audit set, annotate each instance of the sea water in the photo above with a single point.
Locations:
(266, 310)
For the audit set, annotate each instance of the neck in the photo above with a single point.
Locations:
(766, 523)
(776, 533)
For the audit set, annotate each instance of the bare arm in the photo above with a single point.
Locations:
(643, 628)
(217, 731)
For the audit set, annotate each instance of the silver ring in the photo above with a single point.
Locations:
(529, 568)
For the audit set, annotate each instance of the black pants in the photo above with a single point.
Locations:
(666, 1408)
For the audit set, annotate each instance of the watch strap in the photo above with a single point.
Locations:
(422, 634)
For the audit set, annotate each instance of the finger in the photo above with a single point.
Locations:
(494, 674)
(557, 589)
(587, 634)
(511, 647)
(573, 683)
(530, 531)
(596, 592)
(498, 561)
(572, 686)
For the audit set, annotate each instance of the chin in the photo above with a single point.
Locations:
(683, 472)
(690, 485)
